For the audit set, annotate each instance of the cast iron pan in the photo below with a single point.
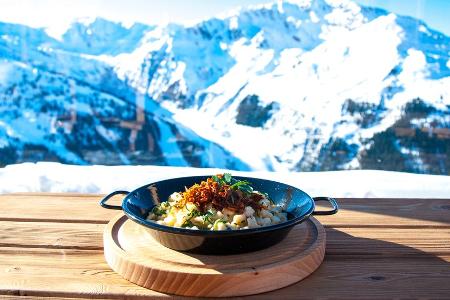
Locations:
(140, 202)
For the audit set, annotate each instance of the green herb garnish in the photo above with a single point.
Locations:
(187, 223)
(227, 179)
(207, 217)
(192, 214)
(215, 226)
(217, 179)
(243, 186)
(158, 211)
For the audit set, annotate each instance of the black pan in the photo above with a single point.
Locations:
(140, 202)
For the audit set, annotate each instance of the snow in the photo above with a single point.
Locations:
(413, 66)
(55, 177)
(311, 85)
(307, 57)
(318, 80)
(7, 73)
(35, 129)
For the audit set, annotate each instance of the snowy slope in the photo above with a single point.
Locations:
(67, 106)
(294, 85)
(311, 96)
(54, 177)
(298, 67)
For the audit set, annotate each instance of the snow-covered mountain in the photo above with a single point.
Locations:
(59, 102)
(293, 85)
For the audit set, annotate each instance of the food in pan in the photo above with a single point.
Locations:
(219, 203)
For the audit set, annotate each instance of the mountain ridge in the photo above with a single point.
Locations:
(316, 85)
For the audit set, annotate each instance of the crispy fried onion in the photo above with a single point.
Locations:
(211, 193)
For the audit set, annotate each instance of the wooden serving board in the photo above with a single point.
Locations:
(136, 256)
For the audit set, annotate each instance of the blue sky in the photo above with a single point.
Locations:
(57, 13)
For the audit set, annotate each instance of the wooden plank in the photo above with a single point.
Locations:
(341, 241)
(51, 235)
(22, 297)
(389, 213)
(388, 242)
(74, 273)
(353, 212)
(6, 297)
(56, 208)
(376, 248)
(62, 273)
(359, 278)
(357, 247)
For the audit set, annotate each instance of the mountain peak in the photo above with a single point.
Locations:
(331, 85)
(97, 36)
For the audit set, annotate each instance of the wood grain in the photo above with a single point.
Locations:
(388, 242)
(66, 208)
(399, 241)
(51, 235)
(77, 208)
(85, 275)
(365, 278)
(50, 245)
(62, 273)
(136, 256)
(22, 297)
(406, 213)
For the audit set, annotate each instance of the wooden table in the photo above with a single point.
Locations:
(51, 245)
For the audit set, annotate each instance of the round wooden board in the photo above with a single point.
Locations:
(136, 256)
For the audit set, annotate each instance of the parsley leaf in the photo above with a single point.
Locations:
(227, 177)
(192, 214)
(242, 185)
(207, 217)
(246, 189)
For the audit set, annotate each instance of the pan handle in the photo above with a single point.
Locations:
(107, 197)
(326, 212)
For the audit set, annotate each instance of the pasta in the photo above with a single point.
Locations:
(219, 203)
